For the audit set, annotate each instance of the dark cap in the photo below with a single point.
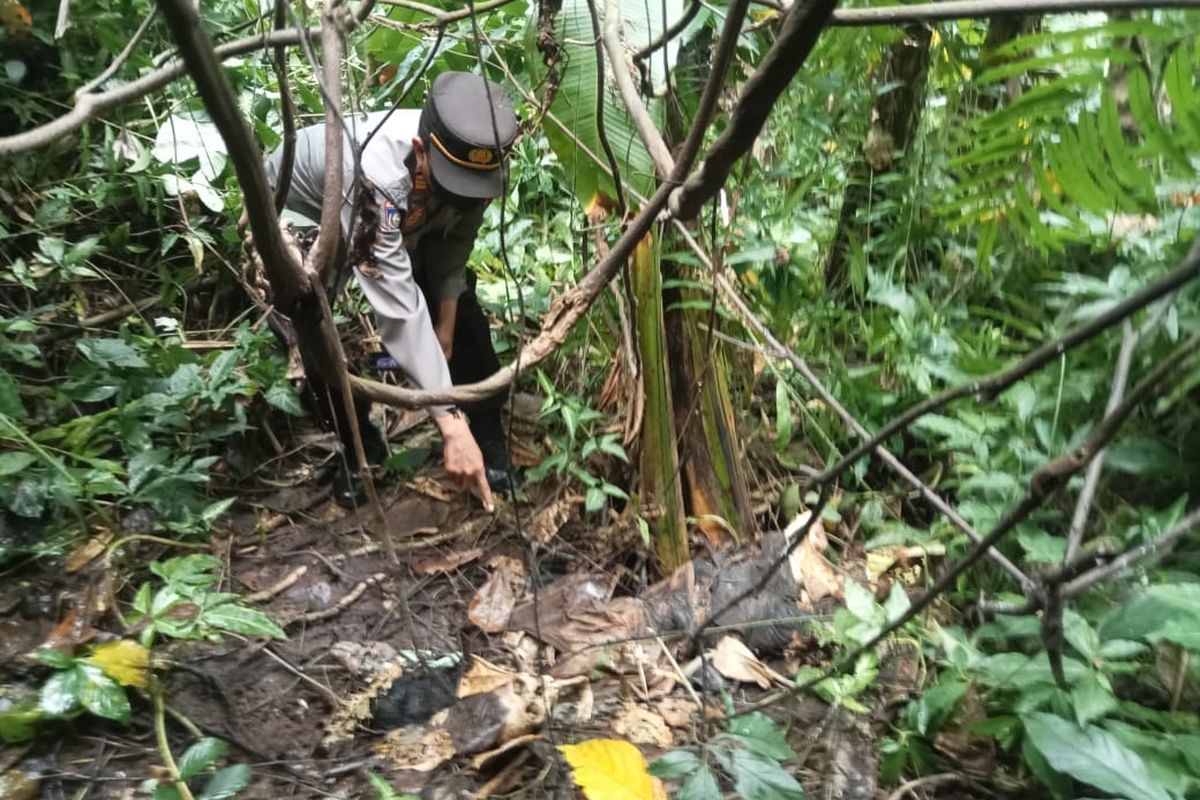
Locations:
(466, 153)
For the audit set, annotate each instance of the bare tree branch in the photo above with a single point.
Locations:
(801, 26)
(324, 252)
(986, 9)
(1132, 555)
(287, 158)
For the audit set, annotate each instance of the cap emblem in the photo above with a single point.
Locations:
(480, 155)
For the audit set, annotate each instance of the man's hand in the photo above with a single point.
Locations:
(462, 459)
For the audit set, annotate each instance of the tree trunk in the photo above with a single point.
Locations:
(895, 117)
(661, 493)
(714, 482)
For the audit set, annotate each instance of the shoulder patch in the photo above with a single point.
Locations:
(389, 218)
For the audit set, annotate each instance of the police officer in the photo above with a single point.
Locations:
(429, 174)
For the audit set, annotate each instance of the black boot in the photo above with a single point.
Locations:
(348, 490)
(502, 477)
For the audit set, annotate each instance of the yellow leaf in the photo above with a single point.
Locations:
(125, 662)
(611, 769)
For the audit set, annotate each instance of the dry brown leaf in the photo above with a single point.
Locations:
(430, 488)
(677, 712)
(481, 760)
(547, 522)
(734, 660)
(415, 748)
(447, 563)
(881, 560)
(483, 676)
(83, 554)
(492, 605)
(640, 725)
(810, 569)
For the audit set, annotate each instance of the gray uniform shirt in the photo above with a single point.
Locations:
(436, 253)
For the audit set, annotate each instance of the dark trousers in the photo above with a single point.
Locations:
(472, 359)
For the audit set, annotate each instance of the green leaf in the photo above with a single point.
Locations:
(201, 756)
(111, 353)
(53, 658)
(385, 791)
(758, 778)
(860, 602)
(1092, 699)
(783, 417)
(226, 783)
(222, 367)
(166, 791)
(675, 764)
(700, 785)
(1167, 611)
(897, 603)
(237, 618)
(60, 693)
(1092, 756)
(101, 695)
(13, 462)
(759, 734)
(283, 396)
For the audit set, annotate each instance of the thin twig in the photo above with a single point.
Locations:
(122, 56)
(1131, 555)
(988, 9)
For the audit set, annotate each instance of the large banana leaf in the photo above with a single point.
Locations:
(572, 126)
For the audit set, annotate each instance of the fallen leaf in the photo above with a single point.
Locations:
(640, 725)
(810, 569)
(677, 712)
(84, 553)
(734, 660)
(546, 523)
(492, 605)
(419, 749)
(483, 676)
(125, 661)
(611, 769)
(447, 563)
(883, 559)
(430, 488)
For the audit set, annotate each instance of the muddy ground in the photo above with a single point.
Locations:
(275, 700)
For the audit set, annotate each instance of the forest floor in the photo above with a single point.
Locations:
(314, 714)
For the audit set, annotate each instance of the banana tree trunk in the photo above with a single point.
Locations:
(710, 450)
(661, 492)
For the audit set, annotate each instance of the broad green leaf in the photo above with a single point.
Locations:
(284, 397)
(101, 695)
(758, 778)
(675, 764)
(226, 783)
(1160, 612)
(1092, 699)
(700, 785)
(60, 692)
(241, 619)
(111, 353)
(52, 657)
(860, 602)
(1093, 756)
(13, 462)
(200, 756)
(759, 734)
(19, 724)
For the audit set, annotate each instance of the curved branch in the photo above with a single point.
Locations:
(325, 250)
(986, 9)
(797, 36)
(670, 33)
(651, 138)
(92, 105)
